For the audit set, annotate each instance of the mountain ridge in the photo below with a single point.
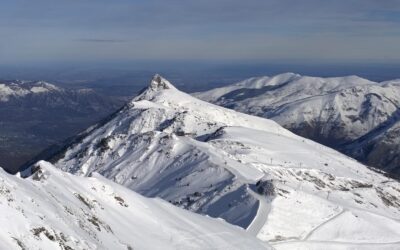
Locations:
(334, 111)
(245, 169)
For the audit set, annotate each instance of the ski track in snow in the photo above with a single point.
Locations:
(262, 214)
(323, 223)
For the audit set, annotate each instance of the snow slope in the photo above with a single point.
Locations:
(247, 170)
(333, 111)
(56, 210)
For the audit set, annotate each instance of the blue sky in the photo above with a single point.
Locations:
(317, 31)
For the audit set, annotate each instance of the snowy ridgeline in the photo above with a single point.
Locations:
(282, 188)
(56, 210)
(352, 114)
(22, 88)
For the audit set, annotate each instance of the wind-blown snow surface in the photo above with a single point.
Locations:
(56, 210)
(334, 111)
(208, 159)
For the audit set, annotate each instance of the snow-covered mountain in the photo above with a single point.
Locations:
(15, 89)
(55, 210)
(37, 94)
(284, 189)
(352, 114)
(36, 114)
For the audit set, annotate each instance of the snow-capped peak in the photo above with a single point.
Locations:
(244, 169)
(158, 83)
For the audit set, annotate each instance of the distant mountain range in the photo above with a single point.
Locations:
(286, 190)
(354, 115)
(36, 114)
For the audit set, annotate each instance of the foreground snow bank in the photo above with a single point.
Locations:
(56, 210)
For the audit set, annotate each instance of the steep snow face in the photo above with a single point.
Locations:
(56, 210)
(244, 169)
(380, 147)
(333, 111)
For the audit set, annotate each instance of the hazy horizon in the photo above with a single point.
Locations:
(285, 32)
(191, 71)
